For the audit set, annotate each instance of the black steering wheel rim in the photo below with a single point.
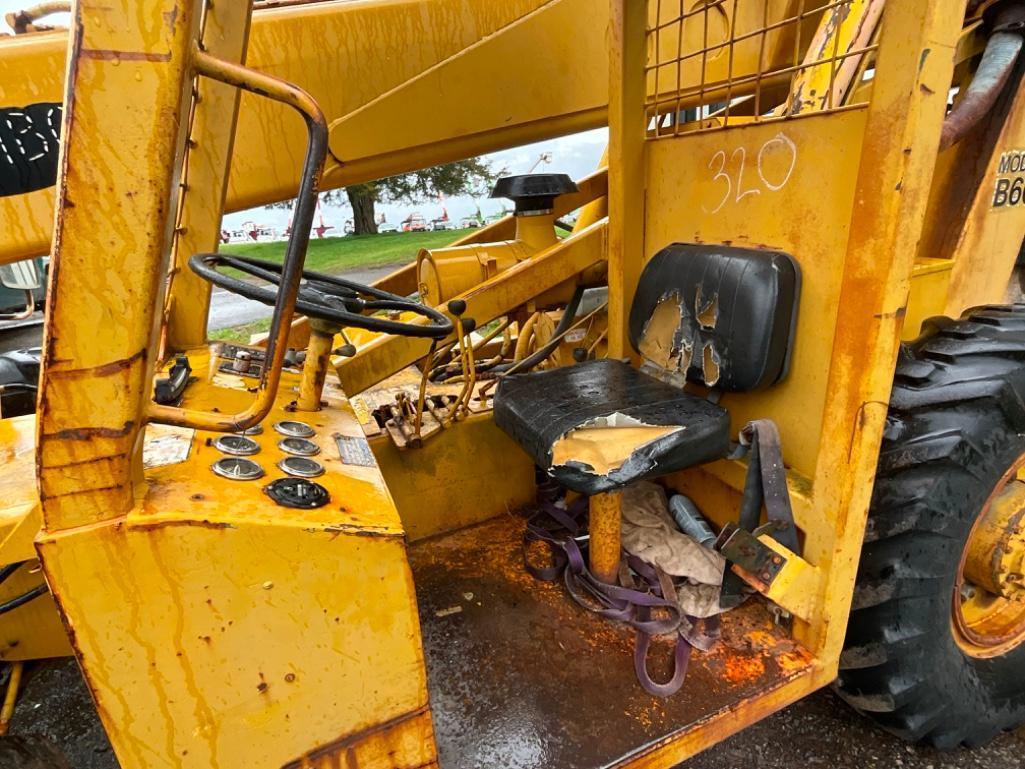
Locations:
(325, 297)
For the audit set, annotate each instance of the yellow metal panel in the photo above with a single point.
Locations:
(991, 237)
(232, 642)
(627, 91)
(762, 187)
(111, 244)
(32, 631)
(18, 495)
(347, 55)
(464, 475)
(975, 215)
(32, 72)
(483, 91)
(927, 295)
(913, 71)
(225, 33)
(217, 629)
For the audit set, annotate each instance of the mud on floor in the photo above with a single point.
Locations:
(817, 733)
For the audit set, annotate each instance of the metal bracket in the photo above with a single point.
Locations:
(756, 563)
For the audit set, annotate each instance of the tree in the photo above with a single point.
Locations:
(472, 176)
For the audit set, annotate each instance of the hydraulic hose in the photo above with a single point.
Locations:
(9, 569)
(998, 60)
(565, 322)
(23, 599)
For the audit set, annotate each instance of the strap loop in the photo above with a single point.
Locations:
(628, 602)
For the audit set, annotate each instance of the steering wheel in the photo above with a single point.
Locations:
(325, 297)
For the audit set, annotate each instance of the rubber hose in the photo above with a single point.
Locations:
(568, 316)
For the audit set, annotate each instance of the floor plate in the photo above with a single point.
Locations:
(522, 678)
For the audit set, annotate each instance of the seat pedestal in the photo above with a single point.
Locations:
(604, 519)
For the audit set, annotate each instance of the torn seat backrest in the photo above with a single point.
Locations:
(717, 315)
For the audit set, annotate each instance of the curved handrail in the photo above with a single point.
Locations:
(295, 251)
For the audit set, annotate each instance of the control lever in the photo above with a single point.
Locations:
(168, 391)
(469, 367)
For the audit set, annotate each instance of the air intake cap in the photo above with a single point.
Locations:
(533, 194)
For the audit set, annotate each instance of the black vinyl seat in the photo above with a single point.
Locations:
(720, 316)
(539, 409)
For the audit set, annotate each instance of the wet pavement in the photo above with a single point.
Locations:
(819, 732)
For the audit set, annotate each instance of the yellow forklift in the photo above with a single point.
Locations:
(753, 428)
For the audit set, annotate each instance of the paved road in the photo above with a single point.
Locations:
(226, 310)
(817, 733)
(23, 336)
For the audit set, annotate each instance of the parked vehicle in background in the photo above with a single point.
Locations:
(415, 222)
(386, 227)
(469, 222)
(442, 223)
(22, 288)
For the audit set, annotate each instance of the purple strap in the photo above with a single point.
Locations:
(625, 602)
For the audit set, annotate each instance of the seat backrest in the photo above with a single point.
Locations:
(718, 315)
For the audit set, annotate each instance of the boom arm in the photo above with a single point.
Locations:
(402, 86)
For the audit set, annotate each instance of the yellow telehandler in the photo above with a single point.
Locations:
(754, 427)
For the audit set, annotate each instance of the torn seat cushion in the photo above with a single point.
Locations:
(552, 412)
(721, 316)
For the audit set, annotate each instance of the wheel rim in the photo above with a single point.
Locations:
(988, 613)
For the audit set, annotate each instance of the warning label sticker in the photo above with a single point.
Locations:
(1009, 188)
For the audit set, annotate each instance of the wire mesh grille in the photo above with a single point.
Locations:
(717, 63)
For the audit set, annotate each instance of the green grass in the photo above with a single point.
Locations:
(352, 252)
(241, 334)
(334, 255)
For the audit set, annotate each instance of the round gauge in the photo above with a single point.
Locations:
(238, 469)
(237, 445)
(301, 467)
(294, 429)
(299, 447)
(297, 492)
(256, 429)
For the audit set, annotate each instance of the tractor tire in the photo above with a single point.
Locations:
(954, 436)
(30, 752)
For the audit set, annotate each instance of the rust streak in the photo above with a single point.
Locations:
(357, 531)
(88, 433)
(104, 54)
(900, 312)
(76, 492)
(190, 522)
(105, 369)
(346, 741)
(94, 460)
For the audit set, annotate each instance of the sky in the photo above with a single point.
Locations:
(576, 155)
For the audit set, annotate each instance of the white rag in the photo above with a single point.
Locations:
(650, 533)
